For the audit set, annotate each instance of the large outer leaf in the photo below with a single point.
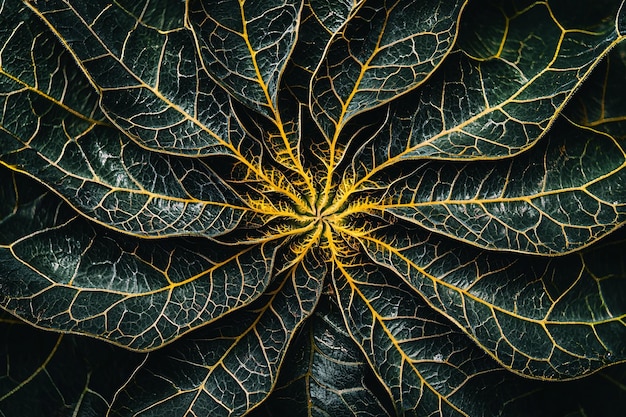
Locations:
(514, 67)
(429, 367)
(159, 95)
(325, 374)
(245, 45)
(123, 186)
(562, 195)
(384, 50)
(550, 318)
(61, 272)
(46, 374)
(230, 367)
(60, 139)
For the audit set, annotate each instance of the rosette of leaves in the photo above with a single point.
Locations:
(312, 207)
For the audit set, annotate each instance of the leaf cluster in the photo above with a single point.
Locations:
(312, 207)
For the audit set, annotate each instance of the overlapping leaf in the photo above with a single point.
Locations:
(600, 104)
(429, 366)
(149, 79)
(514, 68)
(384, 50)
(552, 318)
(245, 45)
(46, 374)
(562, 195)
(63, 273)
(60, 139)
(326, 374)
(230, 367)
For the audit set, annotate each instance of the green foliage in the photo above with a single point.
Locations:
(312, 208)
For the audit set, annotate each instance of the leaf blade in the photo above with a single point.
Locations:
(159, 96)
(362, 70)
(515, 75)
(64, 141)
(246, 46)
(327, 374)
(228, 368)
(63, 273)
(568, 304)
(426, 364)
(552, 200)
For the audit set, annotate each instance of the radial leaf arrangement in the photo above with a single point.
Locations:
(312, 208)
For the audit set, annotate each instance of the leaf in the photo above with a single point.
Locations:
(429, 366)
(34, 63)
(122, 186)
(549, 318)
(515, 68)
(557, 198)
(159, 95)
(245, 45)
(60, 272)
(601, 105)
(384, 50)
(46, 374)
(327, 374)
(230, 367)
(57, 140)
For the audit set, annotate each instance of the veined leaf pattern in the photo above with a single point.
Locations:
(312, 207)
(327, 374)
(136, 293)
(67, 144)
(371, 60)
(513, 84)
(547, 301)
(223, 355)
(64, 371)
(160, 96)
(417, 355)
(246, 44)
(528, 207)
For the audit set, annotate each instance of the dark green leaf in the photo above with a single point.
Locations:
(46, 374)
(245, 45)
(230, 367)
(385, 49)
(312, 207)
(429, 366)
(513, 70)
(150, 81)
(57, 140)
(326, 374)
(562, 195)
(61, 272)
(550, 318)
